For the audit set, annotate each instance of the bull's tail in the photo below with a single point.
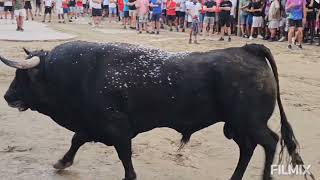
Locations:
(288, 138)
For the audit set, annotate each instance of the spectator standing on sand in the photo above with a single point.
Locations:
(20, 13)
(209, 7)
(1, 9)
(171, 12)
(72, 9)
(132, 14)
(193, 10)
(126, 13)
(225, 19)
(47, 10)
(96, 13)
(274, 17)
(243, 17)
(8, 8)
(156, 14)
(105, 8)
(181, 14)
(65, 6)
(112, 10)
(310, 21)
(28, 8)
(59, 10)
(297, 13)
(38, 8)
(120, 10)
(256, 8)
(79, 8)
(142, 12)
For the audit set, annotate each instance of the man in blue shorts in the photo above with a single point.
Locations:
(156, 14)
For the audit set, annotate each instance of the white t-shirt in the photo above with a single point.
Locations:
(48, 3)
(96, 5)
(58, 4)
(194, 10)
(105, 2)
(8, 3)
(182, 7)
(113, 4)
(84, 1)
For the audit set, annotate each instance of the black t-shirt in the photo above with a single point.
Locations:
(256, 5)
(133, 7)
(72, 3)
(210, 4)
(225, 3)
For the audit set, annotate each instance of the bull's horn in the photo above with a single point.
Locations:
(26, 51)
(25, 64)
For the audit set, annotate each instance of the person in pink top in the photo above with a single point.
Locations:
(142, 11)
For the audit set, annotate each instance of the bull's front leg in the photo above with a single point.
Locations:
(77, 141)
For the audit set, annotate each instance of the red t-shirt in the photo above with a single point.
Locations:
(79, 3)
(120, 5)
(171, 8)
(65, 4)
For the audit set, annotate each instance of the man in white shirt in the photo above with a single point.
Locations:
(96, 12)
(47, 10)
(193, 9)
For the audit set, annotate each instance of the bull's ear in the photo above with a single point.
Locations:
(27, 51)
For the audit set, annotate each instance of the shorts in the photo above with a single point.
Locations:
(295, 23)
(225, 20)
(201, 17)
(283, 22)
(27, 5)
(180, 14)
(38, 2)
(155, 17)
(257, 21)
(8, 8)
(59, 10)
(171, 17)
(1, 8)
(243, 19)
(20, 12)
(65, 10)
(126, 14)
(112, 11)
(132, 13)
(274, 24)
(208, 20)
(79, 9)
(105, 7)
(195, 26)
(143, 18)
(121, 14)
(72, 9)
(96, 12)
(47, 10)
(164, 12)
(249, 20)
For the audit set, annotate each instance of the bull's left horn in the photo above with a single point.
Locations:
(25, 64)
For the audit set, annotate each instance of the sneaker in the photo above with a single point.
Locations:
(221, 39)
(251, 38)
(190, 41)
(299, 46)
(289, 46)
(170, 29)
(260, 37)
(21, 29)
(282, 39)
(183, 30)
(229, 39)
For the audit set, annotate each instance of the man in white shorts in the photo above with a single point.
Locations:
(274, 19)
(256, 8)
(20, 13)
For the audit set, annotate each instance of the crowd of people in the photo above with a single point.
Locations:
(296, 21)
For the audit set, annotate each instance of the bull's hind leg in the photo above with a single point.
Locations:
(246, 147)
(77, 141)
(124, 152)
(268, 140)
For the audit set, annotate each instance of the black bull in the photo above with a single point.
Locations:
(109, 93)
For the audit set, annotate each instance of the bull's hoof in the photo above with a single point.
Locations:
(60, 165)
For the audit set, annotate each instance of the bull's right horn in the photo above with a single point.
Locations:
(25, 64)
